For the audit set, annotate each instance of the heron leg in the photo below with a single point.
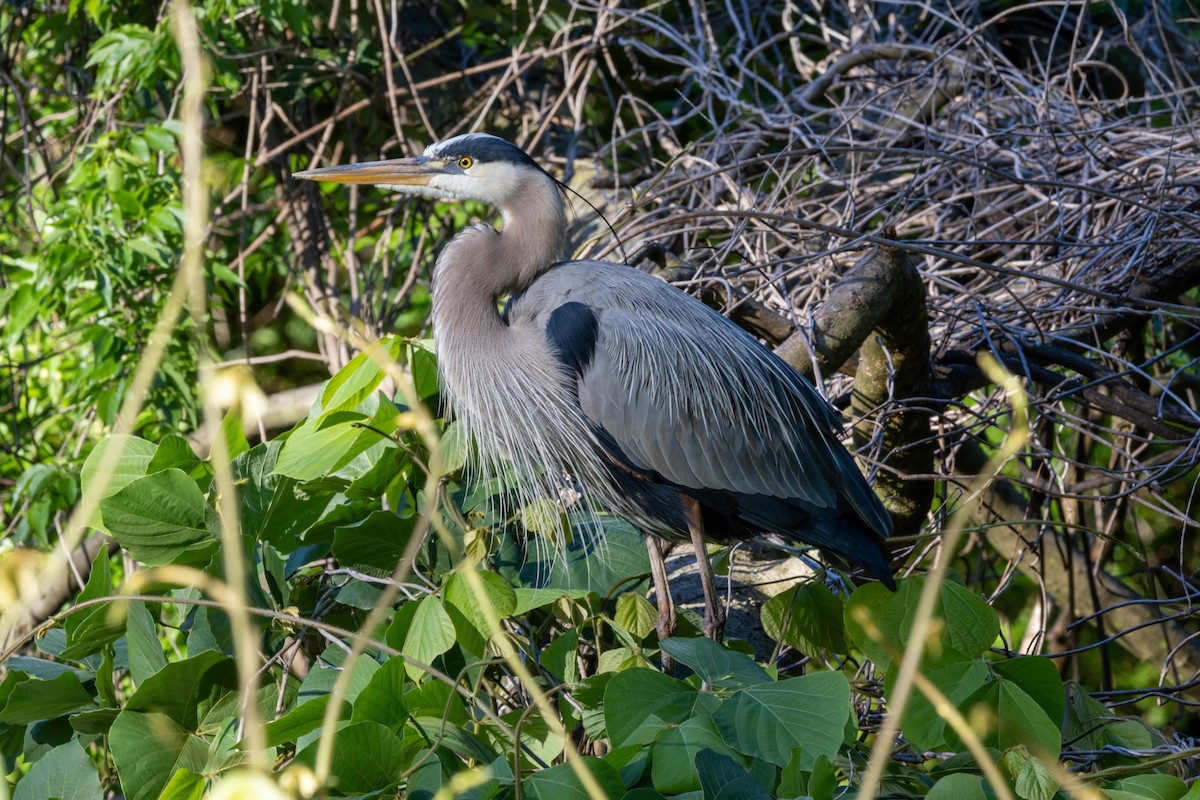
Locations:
(658, 549)
(714, 612)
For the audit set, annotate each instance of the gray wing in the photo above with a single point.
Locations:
(688, 395)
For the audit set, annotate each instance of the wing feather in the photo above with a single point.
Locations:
(687, 394)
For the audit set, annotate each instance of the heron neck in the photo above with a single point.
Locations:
(481, 265)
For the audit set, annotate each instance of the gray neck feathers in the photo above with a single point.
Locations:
(480, 265)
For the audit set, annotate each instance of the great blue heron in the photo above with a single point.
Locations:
(658, 408)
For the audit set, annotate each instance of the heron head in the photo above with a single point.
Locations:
(473, 166)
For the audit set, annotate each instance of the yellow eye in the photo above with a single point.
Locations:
(466, 162)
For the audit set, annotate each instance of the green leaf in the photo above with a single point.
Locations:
(382, 699)
(304, 718)
(322, 677)
(148, 748)
(970, 624)
(373, 545)
(430, 635)
(769, 721)
(64, 773)
(561, 656)
(530, 598)
(961, 786)
(1005, 716)
(638, 703)
(422, 365)
(923, 725)
(356, 381)
(321, 446)
(145, 651)
(636, 615)
(807, 617)
(98, 721)
(38, 700)
(1031, 778)
(184, 690)
(133, 461)
(673, 754)
(456, 447)
(272, 508)
(161, 519)
(561, 783)
(1149, 787)
(498, 594)
(594, 560)
(184, 785)
(722, 778)
(91, 629)
(173, 452)
(232, 434)
(1038, 677)
(368, 758)
(715, 663)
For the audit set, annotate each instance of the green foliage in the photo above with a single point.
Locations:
(141, 696)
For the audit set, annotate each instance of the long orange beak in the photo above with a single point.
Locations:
(394, 172)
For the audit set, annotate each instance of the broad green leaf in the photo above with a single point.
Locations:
(184, 785)
(373, 545)
(673, 754)
(323, 675)
(356, 381)
(530, 598)
(961, 786)
(1031, 778)
(498, 594)
(770, 720)
(594, 560)
(922, 725)
(38, 700)
(382, 699)
(323, 445)
(1038, 677)
(1003, 716)
(232, 435)
(368, 758)
(715, 663)
(722, 778)
(160, 519)
(456, 448)
(148, 748)
(561, 783)
(98, 721)
(42, 668)
(141, 635)
(968, 626)
(173, 452)
(422, 365)
(638, 703)
(561, 656)
(132, 463)
(272, 508)
(430, 635)
(537, 738)
(636, 615)
(1147, 787)
(89, 630)
(185, 690)
(65, 773)
(304, 718)
(436, 699)
(807, 617)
